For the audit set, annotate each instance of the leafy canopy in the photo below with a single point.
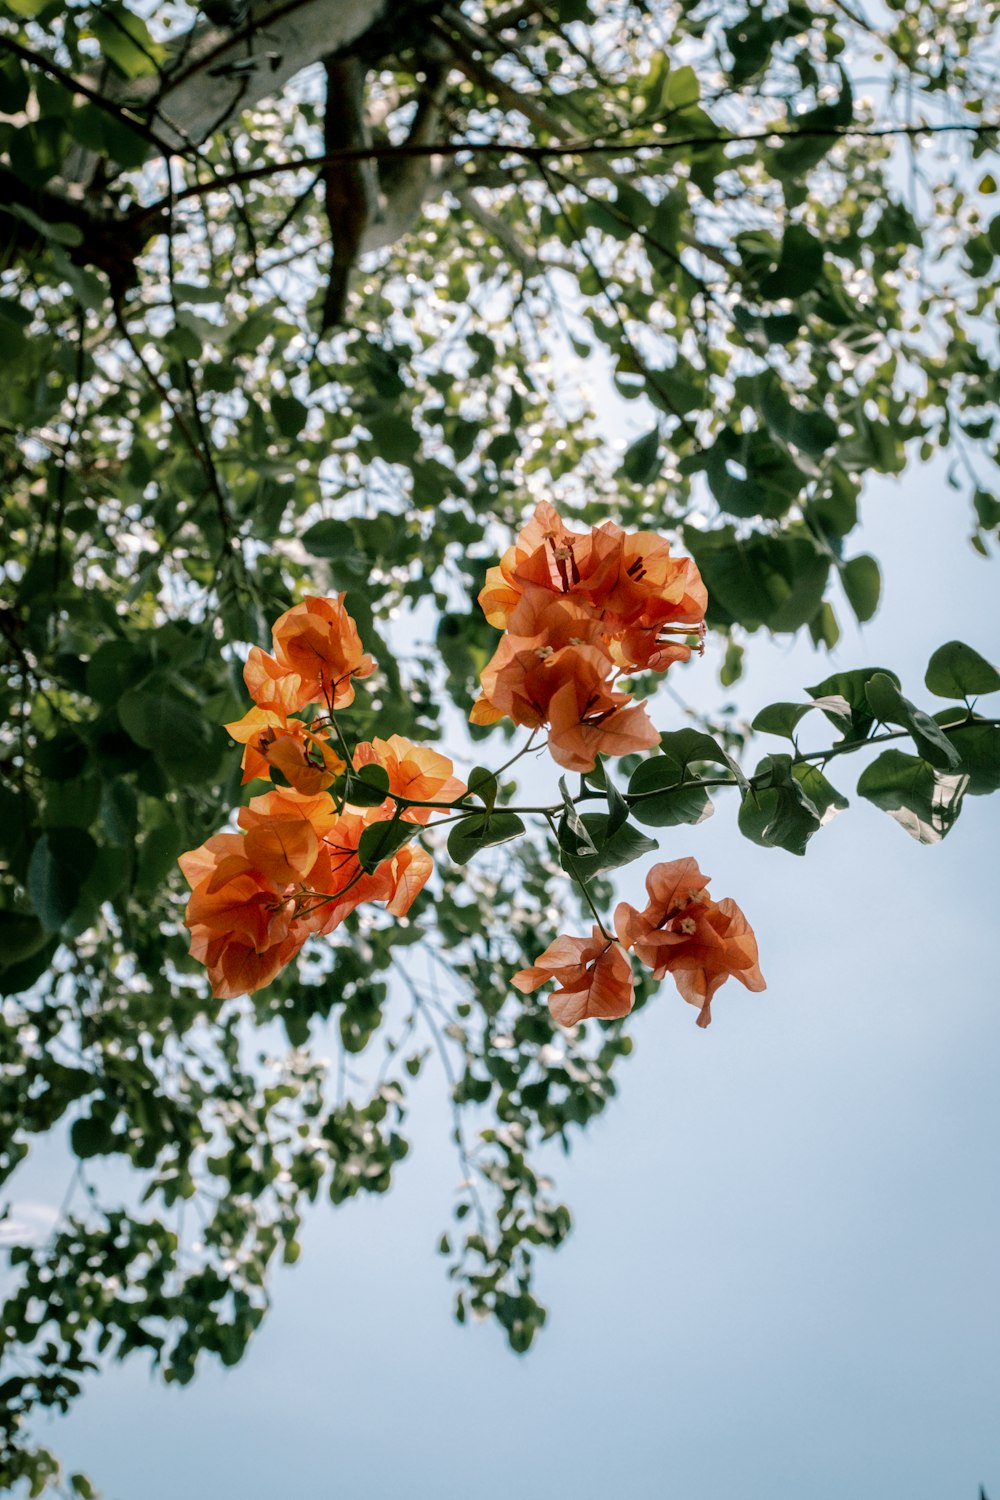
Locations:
(311, 300)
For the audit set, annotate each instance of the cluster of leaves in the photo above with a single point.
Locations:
(687, 202)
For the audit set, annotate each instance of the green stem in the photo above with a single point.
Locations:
(579, 881)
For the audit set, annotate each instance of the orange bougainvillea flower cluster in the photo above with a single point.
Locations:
(579, 610)
(317, 656)
(681, 931)
(295, 871)
(593, 974)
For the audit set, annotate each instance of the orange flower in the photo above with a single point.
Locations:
(569, 690)
(284, 830)
(629, 582)
(544, 539)
(317, 654)
(318, 640)
(414, 771)
(653, 598)
(303, 758)
(243, 924)
(588, 718)
(338, 875)
(594, 977)
(271, 686)
(682, 931)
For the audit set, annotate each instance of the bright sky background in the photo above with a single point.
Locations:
(783, 1278)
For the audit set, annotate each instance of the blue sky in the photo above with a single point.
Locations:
(783, 1277)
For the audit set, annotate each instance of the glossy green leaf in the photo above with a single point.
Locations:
(957, 671)
(617, 806)
(383, 839)
(978, 747)
(842, 698)
(612, 848)
(780, 718)
(923, 800)
(657, 799)
(688, 747)
(483, 784)
(477, 832)
(572, 829)
(890, 707)
(367, 787)
(862, 581)
(777, 810)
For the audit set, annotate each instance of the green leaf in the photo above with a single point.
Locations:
(780, 718)
(732, 664)
(573, 824)
(125, 39)
(748, 474)
(18, 977)
(657, 799)
(480, 831)
(69, 235)
(394, 437)
(809, 429)
(381, 840)
(778, 811)
(21, 936)
(119, 812)
(337, 540)
(689, 746)
(483, 784)
(367, 787)
(862, 582)
(613, 848)
(642, 462)
(843, 700)
(617, 806)
(799, 267)
(956, 671)
(922, 800)
(776, 581)
(890, 707)
(92, 1135)
(290, 414)
(680, 89)
(60, 863)
(156, 717)
(762, 329)
(827, 801)
(978, 748)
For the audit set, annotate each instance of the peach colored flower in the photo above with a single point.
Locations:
(243, 924)
(271, 686)
(587, 718)
(593, 974)
(319, 641)
(547, 540)
(628, 581)
(414, 771)
(342, 884)
(569, 689)
(304, 759)
(683, 932)
(317, 655)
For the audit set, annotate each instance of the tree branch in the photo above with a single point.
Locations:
(585, 147)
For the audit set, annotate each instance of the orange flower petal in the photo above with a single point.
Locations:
(594, 977)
